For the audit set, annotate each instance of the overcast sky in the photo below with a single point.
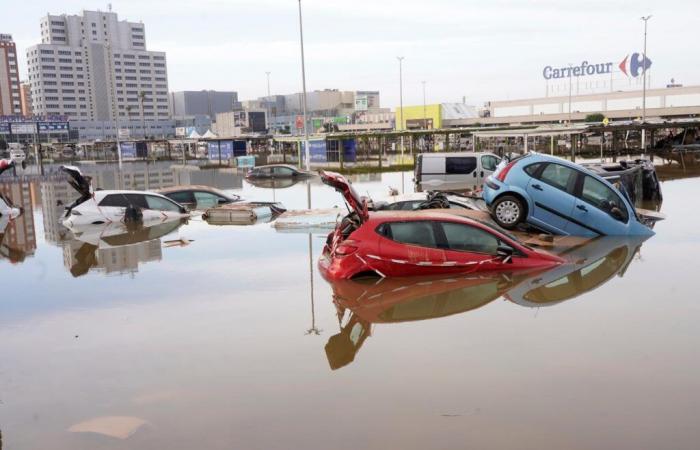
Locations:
(485, 50)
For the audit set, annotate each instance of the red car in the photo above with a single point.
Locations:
(409, 243)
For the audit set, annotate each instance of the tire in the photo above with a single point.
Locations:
(508, 211)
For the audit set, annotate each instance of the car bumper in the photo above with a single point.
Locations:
(492, 187)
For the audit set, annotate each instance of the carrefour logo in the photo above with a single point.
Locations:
(636, 65)
(631, 66)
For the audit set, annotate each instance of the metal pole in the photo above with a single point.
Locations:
(303, 81)
(644, 84)
(425, 117)
(269, 110)
(570, 85)
(401, 125)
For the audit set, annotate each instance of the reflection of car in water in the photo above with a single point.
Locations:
(11, 254)
(96, 207)
(199, 197)
(390, 300)
(590, 266)
(114, 235)
(273, 183)
(277, 171)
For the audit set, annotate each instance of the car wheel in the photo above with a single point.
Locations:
(508, 211)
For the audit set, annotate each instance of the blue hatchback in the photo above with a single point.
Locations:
(559, 197)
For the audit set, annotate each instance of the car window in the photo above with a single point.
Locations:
(532, 169)
(415, 233)
(181, 197)
(207, 198)
(123, 200)
(557, 175)
(161, 204)
(455, 165)
(283, 171)
(489, 162)
(601, 196)
(469, 239)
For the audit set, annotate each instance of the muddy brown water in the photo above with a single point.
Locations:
(221, 337)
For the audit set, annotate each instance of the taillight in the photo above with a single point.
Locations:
(502, 174)
(345, 249)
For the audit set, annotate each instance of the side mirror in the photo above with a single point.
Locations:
(505, 253)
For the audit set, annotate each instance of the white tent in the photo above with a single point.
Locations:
(194, 135)
(209, 135)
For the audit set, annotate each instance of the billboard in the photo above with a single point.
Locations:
(4, 128)
(128, 149)
(213, 150)
(226, 150)
(317, 151)
(240, 148)
(361, 103)
(23, 127)
(349, 150)
(632, 65)
(53, 127)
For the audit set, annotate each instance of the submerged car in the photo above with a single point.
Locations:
(559, 197)
(199, 197)
(407, 243)
(98, 207)
(277, 171)
(424, 200)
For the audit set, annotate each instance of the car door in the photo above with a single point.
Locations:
(160, 208)
(594, 210)
(488, 166)
(410, 248)
(461, 172)
(467, 246)
(551, 191)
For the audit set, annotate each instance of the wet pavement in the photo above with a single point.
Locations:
(217, 337)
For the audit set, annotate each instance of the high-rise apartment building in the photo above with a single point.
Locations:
(25, 97)
(94, 67)
(10, 102)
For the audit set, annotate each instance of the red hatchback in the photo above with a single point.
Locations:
(409, 243)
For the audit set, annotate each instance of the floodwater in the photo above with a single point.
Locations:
(226, 337)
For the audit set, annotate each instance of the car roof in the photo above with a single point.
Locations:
(443, 154)
(190, 187)
(289, 166)
(104, 193)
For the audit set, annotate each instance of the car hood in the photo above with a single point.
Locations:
(342, 185)
(77, 181)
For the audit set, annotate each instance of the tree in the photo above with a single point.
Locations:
(597, 117)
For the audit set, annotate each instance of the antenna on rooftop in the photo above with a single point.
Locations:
(109, 7)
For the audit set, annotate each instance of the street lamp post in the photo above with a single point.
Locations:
(570, 85)
(644, 83)
(425, 116)
(269, 110)
(303, 82)
(401, 125)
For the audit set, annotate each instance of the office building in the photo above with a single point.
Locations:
(95, 67)
(10, 102)
(203, 103)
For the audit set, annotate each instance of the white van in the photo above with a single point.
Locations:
(453, 171)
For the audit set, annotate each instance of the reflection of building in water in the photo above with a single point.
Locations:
(218, 178)
(80, 257)
(55, 195)
(136, 176)
(20, 234)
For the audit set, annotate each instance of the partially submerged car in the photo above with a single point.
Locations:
(398, 243)
(7, 209)
(559, 197)
(199, 197)
(277, 171)
(424, 200)
(99, 207)
(6, 164)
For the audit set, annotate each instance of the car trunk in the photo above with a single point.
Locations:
(80, 183)
(357, 205)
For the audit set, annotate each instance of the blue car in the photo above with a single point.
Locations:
(559, 197)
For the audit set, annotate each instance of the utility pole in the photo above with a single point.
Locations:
(401, 125)
(570, 85)
(644, 84)
(303, 82)
(269, 110)
(425, 116)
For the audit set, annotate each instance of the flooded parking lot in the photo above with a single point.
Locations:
(198, 336)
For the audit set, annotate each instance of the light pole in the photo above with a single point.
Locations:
(425, 116)
(303, 82)
(401, 126)
(268, 98)
(644, 83)
(570, 77)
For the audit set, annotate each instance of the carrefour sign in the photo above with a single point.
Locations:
(632, 65)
